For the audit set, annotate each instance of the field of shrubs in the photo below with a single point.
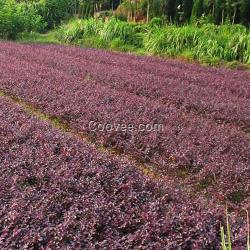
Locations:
(67, 185)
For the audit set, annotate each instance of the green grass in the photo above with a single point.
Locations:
(209, 43)
(227, 45)
(34, 37)
(226, 242)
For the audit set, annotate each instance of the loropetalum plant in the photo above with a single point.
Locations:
(216, 156)
(204, 145)
(59, 192)
(210, 91)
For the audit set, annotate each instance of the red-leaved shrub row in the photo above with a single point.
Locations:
(57, 192)
(223, 96)
(214, 156)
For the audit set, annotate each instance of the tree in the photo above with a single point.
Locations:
(198, 9)
(220, 11)
(53, 11)
(18, 17)
(245, 12)
(157, 8)
(187, 9)
(171, 10)
(209, 7)
(148, 8)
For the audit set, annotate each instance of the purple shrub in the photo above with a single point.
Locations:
(58, 192)
(209, 92)
(189, 143)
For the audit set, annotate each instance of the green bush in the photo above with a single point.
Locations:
(107, 31)
(171, 40)
(16, 18)
(77, 29)
(53, 11)
(120, 45)
(156, 22)
(117, 29)
(71, 32)
(93, 42)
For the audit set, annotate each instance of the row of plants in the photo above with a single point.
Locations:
(58, 192)
(206, 42)
(212, 155)
(103, 34)
(172, 83)
(90, 199)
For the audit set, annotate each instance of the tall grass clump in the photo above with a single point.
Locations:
(77, 29)
(91, 27)
(208, 42)
(117, 29)
(171, 40)
(112, 31)
(226, 242)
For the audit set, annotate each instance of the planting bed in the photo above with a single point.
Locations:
(192, 145)
(201, 153)
(57, 191)
(215, 93)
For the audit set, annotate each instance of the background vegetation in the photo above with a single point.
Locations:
(210, 31)
(208, 43)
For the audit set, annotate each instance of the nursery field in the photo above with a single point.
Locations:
(104, 150)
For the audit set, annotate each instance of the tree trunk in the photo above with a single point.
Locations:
(213, 10)
(235, 9)
(148, 12)
(223, 14)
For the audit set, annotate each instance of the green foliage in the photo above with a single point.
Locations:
(16, 18)
(209, 43)
(119, 45)
(198, 9)
(226, 242)
(156, 22)
(77, 29)
(29, 37)
(106, 30)
(245, 11)
(93, 42)
(117, 29)
(53, 11)
(171, 40)
(187, 9)
(157, 7)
